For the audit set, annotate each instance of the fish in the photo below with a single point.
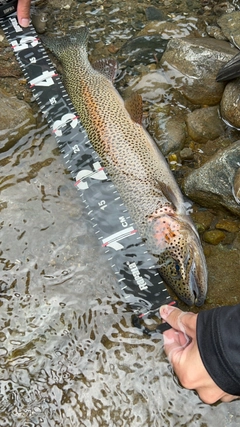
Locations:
(135, 165)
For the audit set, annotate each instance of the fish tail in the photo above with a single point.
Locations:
(75, 40)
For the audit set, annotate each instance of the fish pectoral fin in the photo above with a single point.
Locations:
(108, 67)
(133, 105)
(168, 193)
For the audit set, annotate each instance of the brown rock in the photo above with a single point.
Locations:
(230, 104)
(204, 124)
(214, 237)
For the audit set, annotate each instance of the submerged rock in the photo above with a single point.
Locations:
(154, 14)
(229, 23)
(152, 86)
(16, 119)
(211, 185)
(214, 237)
(204, 124)
(142, 49)
(197, 61)
(39, 20)
(169, 133)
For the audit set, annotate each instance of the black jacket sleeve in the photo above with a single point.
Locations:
(218, 337)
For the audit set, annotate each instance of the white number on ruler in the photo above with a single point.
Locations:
(97, 174)
(45, 79)
(23, 43)
(68, 118)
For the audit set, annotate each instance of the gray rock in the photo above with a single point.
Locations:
(186, 153)
(39, 20)
(236, 186)
(229, 23)
(204, 124)
(16, 119)
(169, 133)
(211, 185)
(142, 49)
(197, 61)
(214, 31)
(154, 14)
(230, 103)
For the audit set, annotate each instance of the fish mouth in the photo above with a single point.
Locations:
(198, 297)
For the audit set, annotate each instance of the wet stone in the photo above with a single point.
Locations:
(196, 62)
(204, 124)
(236, 185)
(202, 219)
(214, 237)
(152, 86)
(39, 20)
(227, 225)
(142, 49)
(154, 14)
(211, 185)
(229, 24)
(16, 119)
(186, 153)
(169, 133)
(230, 103)
(214, 31)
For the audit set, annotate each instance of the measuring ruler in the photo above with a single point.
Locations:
(139, 282)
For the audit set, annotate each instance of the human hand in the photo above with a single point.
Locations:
(23, 12)
(180, 344)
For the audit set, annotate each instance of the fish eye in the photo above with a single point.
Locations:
(174, 268)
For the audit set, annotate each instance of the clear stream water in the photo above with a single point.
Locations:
(69, 355)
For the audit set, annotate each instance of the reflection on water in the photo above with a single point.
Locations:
(68, 353)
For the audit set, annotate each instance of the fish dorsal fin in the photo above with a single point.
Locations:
(133, 105)
(108, 67)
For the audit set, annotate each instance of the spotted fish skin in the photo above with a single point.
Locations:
(136, 167)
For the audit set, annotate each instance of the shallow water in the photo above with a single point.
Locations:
(69, 355)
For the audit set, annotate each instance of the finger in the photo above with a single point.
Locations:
(173, 346)
(179, 320)
(177, 336)
(23, 12)
(229, 398)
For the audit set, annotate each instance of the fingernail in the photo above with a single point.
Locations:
(24, 22)
(165, 310)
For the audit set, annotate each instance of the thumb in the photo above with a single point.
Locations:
(179, 320)
(23, 12)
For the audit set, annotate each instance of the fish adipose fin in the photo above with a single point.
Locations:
(133, 105)
(108, 67)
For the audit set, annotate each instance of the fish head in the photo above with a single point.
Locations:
(175, 242)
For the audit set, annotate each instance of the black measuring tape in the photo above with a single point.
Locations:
(139, 282)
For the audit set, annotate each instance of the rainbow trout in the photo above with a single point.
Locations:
(135, 165)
